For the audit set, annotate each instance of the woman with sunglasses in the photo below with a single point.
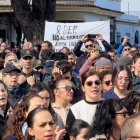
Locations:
(85, 109)
(122, 83)
(106, 78)
(108, 120)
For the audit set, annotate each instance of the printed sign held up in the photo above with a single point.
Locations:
(68, 34)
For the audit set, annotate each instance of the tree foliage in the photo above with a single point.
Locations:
(31, 16)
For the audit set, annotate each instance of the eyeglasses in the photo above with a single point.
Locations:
(128, 49)
(127, 79)
(90, 45)
(68, 88)
(107, 82)
(90, 83)
(135, 137)
(125, 113)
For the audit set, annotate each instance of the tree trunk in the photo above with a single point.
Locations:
(32, 17)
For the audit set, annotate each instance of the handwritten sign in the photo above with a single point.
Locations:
(68, 34)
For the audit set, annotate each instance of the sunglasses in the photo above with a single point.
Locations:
(90, 83)
(89, 46)
(68, 88)
(107, 82)
(125, 113)
(127, 49)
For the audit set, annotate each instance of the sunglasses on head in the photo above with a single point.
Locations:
(107, 82)
(68, 88)
(90, 83)
(89, 46)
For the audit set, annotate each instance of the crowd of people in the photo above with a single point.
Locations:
(70, 94)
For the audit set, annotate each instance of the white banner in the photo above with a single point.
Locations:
(68, 34)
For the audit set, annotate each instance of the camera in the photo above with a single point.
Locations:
(91, 35)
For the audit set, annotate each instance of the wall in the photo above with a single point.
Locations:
(109, 4)
(130, 28)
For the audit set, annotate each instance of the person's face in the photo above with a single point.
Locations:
(3, 96)
(64, 93)
(9, 59)
(27, 62)
(92, 88)
(120, 118)
(35, 102)
(64, 50)
(45, 96)
(111, 54)
(44, 46)
(71, 59)
(35, 49)
(123, 80)
(43, 126)
(67, 76)
(107, 82)
(88, 46)
(41, 69)
(83, 134)
(3, 46)
(11, 78)
(126, 51)
(136, 65)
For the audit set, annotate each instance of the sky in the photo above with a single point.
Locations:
(131, 7)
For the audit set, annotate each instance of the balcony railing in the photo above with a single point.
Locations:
(91, 2)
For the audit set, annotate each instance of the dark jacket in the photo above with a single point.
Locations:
(38, 77)
(110, 94)
(135, 82)
(15, 94)
(82, 56)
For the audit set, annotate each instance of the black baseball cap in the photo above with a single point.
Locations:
(10, 67)
(27, 52)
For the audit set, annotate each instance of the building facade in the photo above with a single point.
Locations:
(81, 11)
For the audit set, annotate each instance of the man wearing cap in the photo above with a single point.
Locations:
(28, 75)
(39, 66)
(10, 77)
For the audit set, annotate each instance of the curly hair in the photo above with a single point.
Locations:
(17, 119)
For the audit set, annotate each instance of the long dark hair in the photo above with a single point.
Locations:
(76, 126)
(132, 101)
(17, 119)
(104, 117)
